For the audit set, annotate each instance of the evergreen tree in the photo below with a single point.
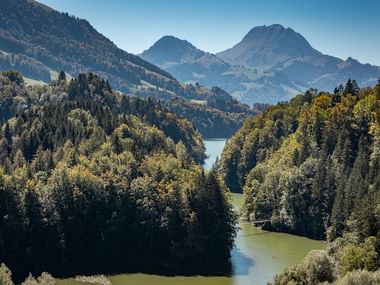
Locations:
(87, 186)
(377, 90)
(319, 179)
(349, 87)
(62, 77)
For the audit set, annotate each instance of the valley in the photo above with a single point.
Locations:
(212, 155)
(255, 260)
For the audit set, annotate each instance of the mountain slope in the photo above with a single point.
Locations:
(270, 64)
(105, 183)
(39, 42)
(311, 166)
(171, 49)
(277, 49)
(189, 64)
(264, 47)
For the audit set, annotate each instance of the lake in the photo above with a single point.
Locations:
(214, 148)
(258, 255)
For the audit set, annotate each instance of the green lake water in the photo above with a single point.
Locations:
(257, 257)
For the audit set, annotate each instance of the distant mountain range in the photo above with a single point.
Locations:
(191, 65)
(270, 64)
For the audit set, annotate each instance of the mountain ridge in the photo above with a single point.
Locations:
(276, 48)
(246, 84)
(270, 64)
(269, 37)
(39, 42)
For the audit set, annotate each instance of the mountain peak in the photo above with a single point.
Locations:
(270, 28)
(271, 31)
(265, 46)
(171, 49)
(172, 40)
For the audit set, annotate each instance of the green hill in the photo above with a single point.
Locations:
(311, 166)
(94, 181)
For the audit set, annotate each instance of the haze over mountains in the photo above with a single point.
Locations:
(270, 64)
(189, 64)
(266, 46)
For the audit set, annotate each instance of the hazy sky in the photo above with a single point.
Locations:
(337, 27)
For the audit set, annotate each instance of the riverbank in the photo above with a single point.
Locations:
(257, 257)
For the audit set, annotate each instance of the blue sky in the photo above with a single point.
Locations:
(337, 27)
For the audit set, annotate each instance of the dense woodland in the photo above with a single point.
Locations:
(30, 45)
(210, 122)
(16, 97)
(94, 181)
(220, 116)
(312, 167)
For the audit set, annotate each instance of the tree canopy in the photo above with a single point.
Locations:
(94, 181)
(311, 166)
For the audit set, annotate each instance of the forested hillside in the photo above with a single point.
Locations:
(39, 42)
(311, 166)
(93, 181)
(16, 97)
(29, 43)
(211, 122)
(220, 116)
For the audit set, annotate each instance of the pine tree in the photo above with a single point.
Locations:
(7, 133)
(182, 154)
(337, 219)
(19, 160)
(349, 88)
(377, 90)
(116, 143)
(355, 88)
(62, 77)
